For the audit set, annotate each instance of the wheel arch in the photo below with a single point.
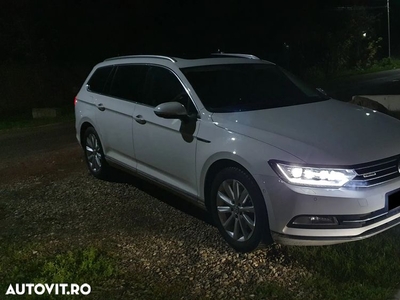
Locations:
(213, 170)
(85, 125)
(263, 235)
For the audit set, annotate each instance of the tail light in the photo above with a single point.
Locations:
(75, 100)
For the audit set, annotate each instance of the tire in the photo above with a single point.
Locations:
(94, 154)
(238, 210)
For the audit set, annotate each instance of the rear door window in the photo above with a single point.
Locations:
(128, 82)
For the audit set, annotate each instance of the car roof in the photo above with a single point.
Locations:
(215, 59)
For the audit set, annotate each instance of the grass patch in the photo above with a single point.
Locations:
(36, 263)
(361, 270)
(87, 265)
(32, 264)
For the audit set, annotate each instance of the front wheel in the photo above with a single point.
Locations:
(238, 210)
(94, 154)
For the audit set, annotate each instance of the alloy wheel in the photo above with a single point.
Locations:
(93, 152)
(236, 210)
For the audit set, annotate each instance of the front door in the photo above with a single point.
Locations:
(165, 148)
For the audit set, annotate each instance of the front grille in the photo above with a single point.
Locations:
(375, 172)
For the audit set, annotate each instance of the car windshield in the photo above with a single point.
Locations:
(242, 87)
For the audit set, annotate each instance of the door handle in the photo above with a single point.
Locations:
(139, 119)
(101, 107)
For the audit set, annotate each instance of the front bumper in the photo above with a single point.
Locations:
(362, 212)
(300, 240)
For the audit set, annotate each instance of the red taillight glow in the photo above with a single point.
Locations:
(75, 100)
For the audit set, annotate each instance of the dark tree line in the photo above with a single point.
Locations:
(47, 47)
(299, 35)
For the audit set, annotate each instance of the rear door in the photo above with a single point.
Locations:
(115, 109)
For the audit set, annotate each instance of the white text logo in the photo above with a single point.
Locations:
(54, 288)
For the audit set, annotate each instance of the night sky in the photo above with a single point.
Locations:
(48, 47)
(89, 30)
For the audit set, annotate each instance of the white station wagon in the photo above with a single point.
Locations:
(270, 158)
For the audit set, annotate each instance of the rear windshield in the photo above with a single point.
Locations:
(242, 87)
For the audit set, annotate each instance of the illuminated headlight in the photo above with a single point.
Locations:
(312, 176)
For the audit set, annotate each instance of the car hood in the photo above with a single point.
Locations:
(328, 132)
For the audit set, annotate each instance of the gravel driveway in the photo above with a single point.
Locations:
(48, 198)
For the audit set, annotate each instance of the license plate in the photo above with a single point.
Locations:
(394, 200)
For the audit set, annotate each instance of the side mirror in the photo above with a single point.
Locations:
(171, 110)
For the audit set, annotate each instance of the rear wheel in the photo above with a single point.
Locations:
(94, 154)
(238, 210)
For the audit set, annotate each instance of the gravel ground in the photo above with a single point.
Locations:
(155, 236)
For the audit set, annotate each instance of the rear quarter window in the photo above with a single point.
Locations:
(98, 80)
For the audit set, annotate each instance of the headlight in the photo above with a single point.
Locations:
(312, 176)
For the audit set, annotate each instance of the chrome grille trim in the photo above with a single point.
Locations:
(378, 177)
(381, 170)
(395, 160)
(375, 173)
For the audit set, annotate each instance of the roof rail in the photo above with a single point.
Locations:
(142, 56)
(248, 56)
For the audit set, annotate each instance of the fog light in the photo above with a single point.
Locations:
(315, 220)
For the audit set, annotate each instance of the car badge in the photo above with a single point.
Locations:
(370, 174)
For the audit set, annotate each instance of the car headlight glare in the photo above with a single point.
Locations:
(313, 176)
